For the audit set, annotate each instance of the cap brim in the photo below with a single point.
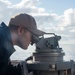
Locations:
(38, 32)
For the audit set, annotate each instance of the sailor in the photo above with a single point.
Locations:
(18, 32)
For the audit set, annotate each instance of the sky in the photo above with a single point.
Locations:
(56, 6)
(54, 16)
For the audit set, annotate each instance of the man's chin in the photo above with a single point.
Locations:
(25, 48)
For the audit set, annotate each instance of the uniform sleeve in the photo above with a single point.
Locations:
(5, 67)
(2, 51)
(3, 55)
(14, 70)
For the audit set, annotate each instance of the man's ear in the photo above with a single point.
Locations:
(20, 30)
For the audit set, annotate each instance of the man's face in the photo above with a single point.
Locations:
(24, 39)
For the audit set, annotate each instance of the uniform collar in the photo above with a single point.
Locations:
(7, 32)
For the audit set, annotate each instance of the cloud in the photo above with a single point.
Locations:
(7, 9)
(63, 24)
(59, 24)
(27, 3)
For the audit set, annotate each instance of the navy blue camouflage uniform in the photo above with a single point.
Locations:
(6, 49)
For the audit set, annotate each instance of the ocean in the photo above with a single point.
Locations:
(20, 54)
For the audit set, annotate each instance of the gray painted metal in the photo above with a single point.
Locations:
(48, 58)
